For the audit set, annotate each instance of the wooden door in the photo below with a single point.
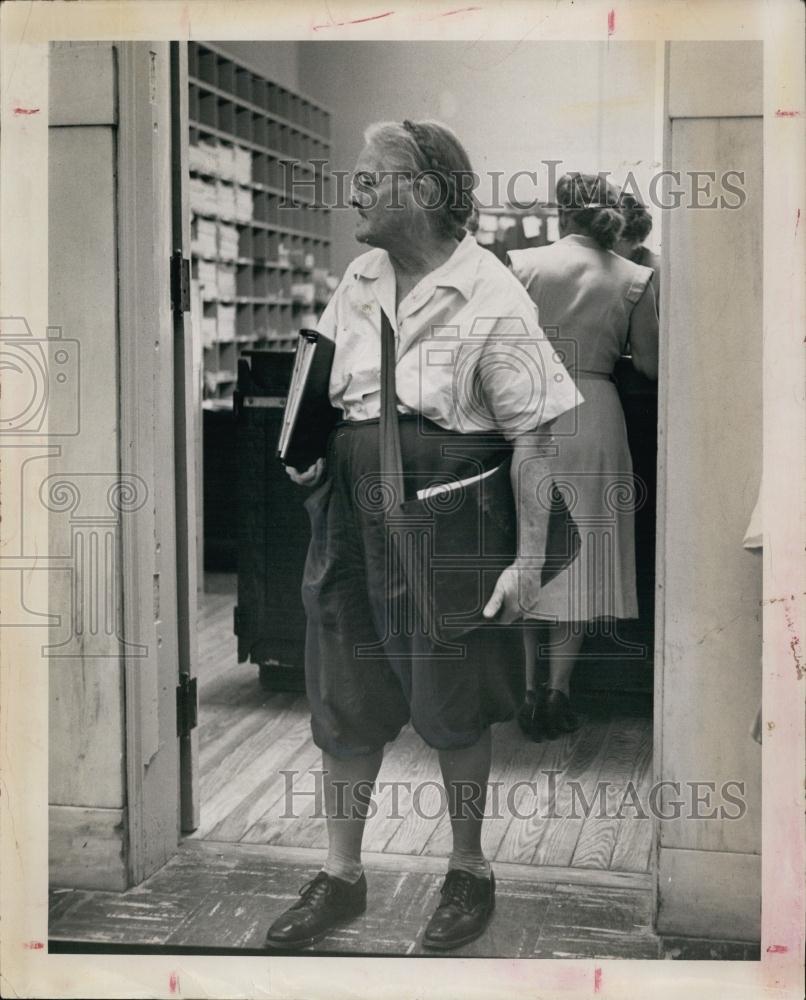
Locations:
(187, 439)
(148, 449)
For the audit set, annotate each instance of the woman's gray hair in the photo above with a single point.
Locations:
(432, 152)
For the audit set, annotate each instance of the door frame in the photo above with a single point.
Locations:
(719, 854)
(145, 345)
(663, 132)
(187, 437)
(184, 458)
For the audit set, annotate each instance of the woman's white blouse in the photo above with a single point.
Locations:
(470, 353)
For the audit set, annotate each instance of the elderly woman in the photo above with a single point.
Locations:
(466, 358)
(594, 301)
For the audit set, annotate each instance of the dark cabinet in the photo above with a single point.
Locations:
(272, 528)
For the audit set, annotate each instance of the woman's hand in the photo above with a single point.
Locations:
(310, 477)
(518, 587)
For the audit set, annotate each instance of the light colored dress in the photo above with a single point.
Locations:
(584, 297)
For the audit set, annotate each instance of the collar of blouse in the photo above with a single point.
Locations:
(458, 271)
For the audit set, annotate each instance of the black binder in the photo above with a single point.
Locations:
(309, 417)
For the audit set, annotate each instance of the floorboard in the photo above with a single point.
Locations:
(597, 838)
(410, 765)
(537, 798)
(423, 863)
(282, 757)
(281, 801)
(556, 839)
(250, 762)
(633, 847)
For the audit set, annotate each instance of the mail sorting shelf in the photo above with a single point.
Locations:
(255, 248)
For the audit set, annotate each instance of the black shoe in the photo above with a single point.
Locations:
(559, 717)
(464, 911)
(531, 714)
(325, 903)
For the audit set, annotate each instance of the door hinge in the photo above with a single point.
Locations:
(180, 282)
(187, 705)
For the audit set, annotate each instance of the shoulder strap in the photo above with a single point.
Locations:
(391, 461)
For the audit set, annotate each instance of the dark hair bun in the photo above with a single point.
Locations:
(637, 220)
(593, 203)
(605, 226)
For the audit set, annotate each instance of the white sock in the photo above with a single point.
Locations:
(342, 866)
(470, 861)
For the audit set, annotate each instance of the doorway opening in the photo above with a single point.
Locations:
(259, 773)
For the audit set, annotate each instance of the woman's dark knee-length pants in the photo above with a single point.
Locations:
(367, 673)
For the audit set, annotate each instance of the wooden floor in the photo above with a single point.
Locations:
(220, 899)
(248, 738)
(566, 888)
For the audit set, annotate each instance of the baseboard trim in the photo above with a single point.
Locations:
(709, 894)
(87, 848)
(687, 949)
(431, 865)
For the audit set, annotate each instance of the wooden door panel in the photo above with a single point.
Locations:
(147, 450)
(187, 430)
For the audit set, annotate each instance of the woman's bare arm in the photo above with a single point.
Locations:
(519, 584)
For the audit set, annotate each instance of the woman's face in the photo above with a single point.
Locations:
(382, 196)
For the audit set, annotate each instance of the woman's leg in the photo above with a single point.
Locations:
(348, 785)
(467, 897)
(465, 774)
(530, 656)
(339, 892)
(564, 648)
(531, 711)
(565, 644)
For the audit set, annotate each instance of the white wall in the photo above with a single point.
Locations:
(513, 105)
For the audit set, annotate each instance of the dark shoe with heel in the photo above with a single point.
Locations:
(464, 911)
(530, 715)
(559, 717)
(325, 902)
